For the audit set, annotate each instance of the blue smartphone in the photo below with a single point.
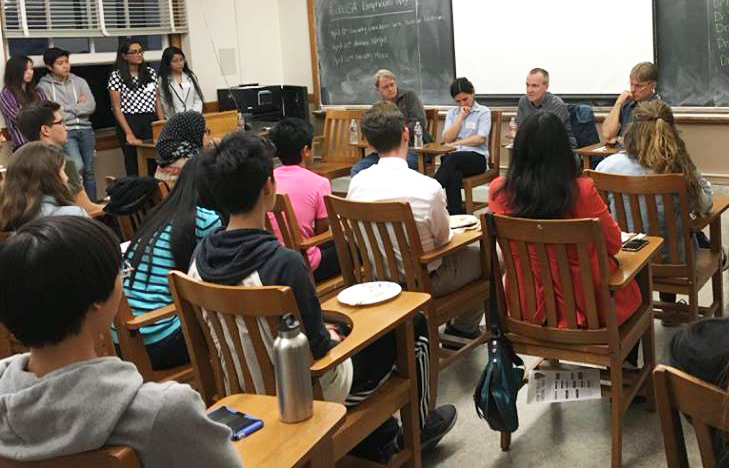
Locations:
(240, 424)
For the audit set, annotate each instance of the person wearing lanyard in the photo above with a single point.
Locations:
(134, 101)
(179, 90)
(77, 103)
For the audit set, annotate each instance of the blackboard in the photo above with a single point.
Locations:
(412, 38)
(692, 51)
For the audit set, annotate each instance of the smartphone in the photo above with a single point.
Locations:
(239, 423)
(634, 245)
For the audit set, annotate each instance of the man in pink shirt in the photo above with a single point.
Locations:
(306, 190)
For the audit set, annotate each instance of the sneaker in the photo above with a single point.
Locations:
(673, 322)
(440, 421)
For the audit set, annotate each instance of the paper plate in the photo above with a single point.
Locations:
(460, 221)
(369, 293)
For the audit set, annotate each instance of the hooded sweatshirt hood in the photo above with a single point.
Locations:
(67, 94)
(70, 410)
(227, 257)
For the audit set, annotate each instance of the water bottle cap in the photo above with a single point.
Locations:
(288, 324)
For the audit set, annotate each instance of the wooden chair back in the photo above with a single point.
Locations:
(335, 146)
(129, 224)
(247, 318)
(535, 243)
(5, 235)
(219, 123)
(432, 119)
(635, 198)
(703, 404)
(157, 127)
(358, 226)
(494, 145)
(285, 221)
(106, 457)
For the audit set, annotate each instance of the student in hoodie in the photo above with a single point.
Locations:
(61, 399)
(77, 104)
(240, 175)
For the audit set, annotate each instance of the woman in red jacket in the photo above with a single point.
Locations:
(543, 182)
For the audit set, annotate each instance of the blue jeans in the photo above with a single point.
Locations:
(373, 158)
(80, 148)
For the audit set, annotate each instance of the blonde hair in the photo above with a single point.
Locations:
(653, 140)
(383, 73)
(644, 71)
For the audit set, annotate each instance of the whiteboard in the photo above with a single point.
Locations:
(587, 46)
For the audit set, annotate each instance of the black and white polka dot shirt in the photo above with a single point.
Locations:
(135, 101)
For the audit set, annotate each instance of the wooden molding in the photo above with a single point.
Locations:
(314, 54)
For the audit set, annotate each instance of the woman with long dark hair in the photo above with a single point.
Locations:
(35, 185)
(178, 87)
(134, 101)
(543, 182)
(164, 242)
(19, 90)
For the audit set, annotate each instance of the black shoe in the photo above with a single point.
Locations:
(440, 421)
(456, 339)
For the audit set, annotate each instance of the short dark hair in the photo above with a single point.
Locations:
(52, 54)
(33, 116)
(290, 136)
(236, 170)
(545, 74)
(382, 126)
(51, 272)
(461, 85)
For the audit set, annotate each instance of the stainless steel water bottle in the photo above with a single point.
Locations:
(291, 361)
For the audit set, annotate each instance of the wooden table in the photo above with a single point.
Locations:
(630, 263)
(281, 445)
(433, 149)
(145, 150)
(598, 149)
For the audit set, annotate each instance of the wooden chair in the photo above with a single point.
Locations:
(703, 404)
(470, 183)
(635, 198)
(9, 345)
(209, 311)
(337, 156)
(106, 457)
(128, 224)
(288, 226)
(132, 347)
(357, 226)
(219, 123)
(432, 119)
(603, 346)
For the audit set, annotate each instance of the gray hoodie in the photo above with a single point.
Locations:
(75, 115)
(100, 402)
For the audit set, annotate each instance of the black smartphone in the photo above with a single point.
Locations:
(240, 424)
(634, 245)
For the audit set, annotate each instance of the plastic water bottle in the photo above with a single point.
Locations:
(512, 128)
(418, 140)
(353, 131)
(291, 361)
(241, 121)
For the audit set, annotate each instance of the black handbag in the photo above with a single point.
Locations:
(497, 389)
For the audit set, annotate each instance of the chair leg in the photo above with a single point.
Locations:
(717, 290)
(649, 363)
(409, 414)
(616, 414)
(505, 441)
(693, 305)
(434, 340)
(468, 192)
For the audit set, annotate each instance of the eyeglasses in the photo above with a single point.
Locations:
(126, 269)
(135, 52)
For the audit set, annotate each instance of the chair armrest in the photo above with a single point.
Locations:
(151, 317)
(720, 205)
(630, 263)
(459, 241)
(368, 324)
(319, 239)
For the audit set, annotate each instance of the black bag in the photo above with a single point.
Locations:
(498, 387)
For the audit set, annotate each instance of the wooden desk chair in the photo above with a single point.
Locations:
(209, 311)
(288, 226)
(5, 235)
(132, 347)
(106, 457)
(704, 405)
(432, 119)
(9, 345)
(470, 183)
(337, 156)
(219, 123)
(357, 226)
(128, 224)
(603, 346)
(635, 198)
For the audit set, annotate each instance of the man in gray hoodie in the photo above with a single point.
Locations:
(77, 103)
(60, 286)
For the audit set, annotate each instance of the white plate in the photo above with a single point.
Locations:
(369, 293)
(460, 221)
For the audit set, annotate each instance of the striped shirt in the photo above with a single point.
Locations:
(145, 297)
(9, 106)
